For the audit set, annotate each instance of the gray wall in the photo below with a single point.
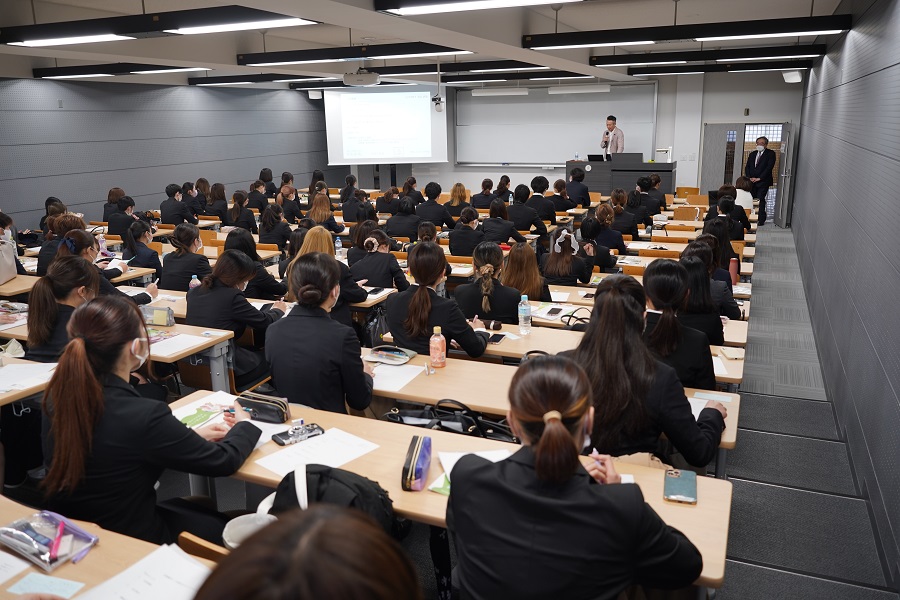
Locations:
(846, 214)
(142, 137)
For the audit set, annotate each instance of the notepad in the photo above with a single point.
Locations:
(210, 409)
(637, 245)
(22, 376)
(392, 378)
(20, 319)
(10, 566)
(711, 396)
(174, 345)
(334, 448)
(131, 290)
(35, 583)
(719, 366)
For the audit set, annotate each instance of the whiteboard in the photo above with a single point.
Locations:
(544, 129)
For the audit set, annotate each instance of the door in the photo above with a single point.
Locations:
(721, 155)
(784, 193)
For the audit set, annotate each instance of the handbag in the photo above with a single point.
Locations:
(576, 322)
(7, 261)
(376, 327)
(268, 409)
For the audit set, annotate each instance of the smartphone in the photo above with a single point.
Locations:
(589, 296)
(375, 291)
(554, 311)
(680, 486)
(496, 338)
(296, 434)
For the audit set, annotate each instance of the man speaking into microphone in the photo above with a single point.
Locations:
(613, 138)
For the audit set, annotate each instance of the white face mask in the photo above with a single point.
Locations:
(200, 246)
(135, 349)
(6, 235)
(760, 148)
(244, 286)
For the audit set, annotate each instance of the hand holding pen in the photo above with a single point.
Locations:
(602, 468)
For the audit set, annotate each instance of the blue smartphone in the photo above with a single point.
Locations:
(680, 486)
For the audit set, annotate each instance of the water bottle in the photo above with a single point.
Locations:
(437, 349)
(338, 247)
(576, 156)
(524, 316)
(194, 282)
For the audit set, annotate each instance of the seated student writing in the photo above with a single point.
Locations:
(458, 200)
(216, 204)
(59, 226)
(359, 233)
(119, 221)
(638, 398)
(413, 314)
(137, 236)
(523, 216)
(684, 349)
(542, 504)
(522, 273)
(560, 198)
(107, 446)
(405, 223)
(698, 311)
(607, 236)
(389, 203)
(497, 227)
(180, 266)
(273, 229)
(487, 298)
(719, 291)
(263, 286)
(561, 266)
(430, 210)
(379, 267)
(320, 212)
(220, 303)
(467, 234)
(333, 372)
(319, 240)
(240, 215)
(483, 199)
(287, 199)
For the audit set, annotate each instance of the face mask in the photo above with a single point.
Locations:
(6, 235)
(760, 148)
(135, 349)
(200, 247)
(244, 287)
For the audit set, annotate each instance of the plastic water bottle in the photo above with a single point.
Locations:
(437, 349)
(576, 156)
(194, 282)
(524, 316)
(338, 248)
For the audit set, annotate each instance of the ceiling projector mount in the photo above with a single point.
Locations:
(362, 78)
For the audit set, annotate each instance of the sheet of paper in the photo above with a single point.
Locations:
(259, 305)
(334, 448)
(20, 377)
(711, 396)
(627, 478)
(696, 406)
(559, 296)
(167, 572)
(20, 319)
(35, 583)
(382, 294)
(268, 430)
(206, 410)
(10, 566)
(719, 366)
(174, 345)
(449, 459)
(131, 290)
(511, 335)
(628, 260)
(392, 378)
(740, 289)
(637, 245)
(462, 270)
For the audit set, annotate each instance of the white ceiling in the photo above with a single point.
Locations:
(489, 34)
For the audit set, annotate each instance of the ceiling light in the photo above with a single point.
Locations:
(427, 8)
(758, 53)
(225, 83)
(305, 79)
(410, 74)
(592, 45)
(172, 70)
(767, 58)
(673, 73)
(579, 89)
(77, 76)
(508, 70)
(792, 76)
(759, 36)
(296, 62)
(327, 55)
(645, 64)
(721, 68)
(556, 78)
(474, 81)
(390, 56)
(250, 25)
(500, 92)
(83, 39)
(763, 70)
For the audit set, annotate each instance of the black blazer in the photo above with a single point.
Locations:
(561, 204)
(612, 239)
(381, 269)
(108, 211)
(499, 230)
(464, 239)
(691, 360)
(178, 269)
(580, 540)
(279, 235)
(578, 192)
(708, 323)
(193, 203)
(504, 302)
(332, 368)
(332, 225)
(144, 258)
(736, 229)
(659, 196)
(350, 293)
(257, 200)
(414, 195)
(50, 351)
(602, 256)
(626, 224)
(723, 299)
(46, 255)
(650, 203)
(349, 208)
(271, 189)
(118, 223)
(582, 269)
(641, 215)
(523, 217)
(246, 220)
(134, 441)
(383, 205)
(108, 289)
(763, 170)
(292, 211)
(403, 226)
(482, 200)
(354, 254)
(444, 313)
(436, 213)
(722, 275)
(505, 195)
(219, 208)
(263, 286)
(545, 208)
(173, 212)
(456, 210)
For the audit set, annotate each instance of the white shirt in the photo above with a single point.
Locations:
(744, 199)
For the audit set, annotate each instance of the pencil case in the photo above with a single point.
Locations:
(162, 316)
(268, 409)
(47, 539)
(417, 464)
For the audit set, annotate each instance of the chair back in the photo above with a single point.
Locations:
(659, 253)
(683, 192)
(197, 546)
(686, 213)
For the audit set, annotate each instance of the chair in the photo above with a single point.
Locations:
(165, 227)
(595, 197)
(207, 236)
(675, 227)
(271, 247)
(636, 270)
(749, 211)
(444, 198)
(670, 198)
(466, 260)
(626, 237)
(98, 223)
(659, 253)
(215, 241)
(113, 239)
(334, 191)
(682, 192)
(375, 195)
(738, 247)
(670, 239)
(686, 213)
(444, 241)
(209, 218)
(400, 255)
(255, 211)
(156, 246)
(698, 200)
(197, 546)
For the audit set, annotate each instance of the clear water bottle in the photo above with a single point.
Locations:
(524, 316)
(437, 349)
(577, 157)
(194, 282)
(338, 248)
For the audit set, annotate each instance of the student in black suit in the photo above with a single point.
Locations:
(262, 285)
(503, 192)
(359, 233)
(136, 250)
(333, 372)
(257, 197)
(59, 226)
(265, 175)
(409, 191)
(637, 397)
(190, 198)
(524, 217)
(379, 268)
(430, 210)
(589, 230)
(173, 211)
(684, 349)
(561, 200)
(726, 207)
(719, 228)
(561, 266)
(350, 206)
(656, 193)
(180, 266)
(202, 186)
(319, 240)
(578, 192)
(348, 193)
(486, 298)
(719, 291)
(53, 206)
(320, 212)
(107, 446)
(413, 314)
(650, 203)
(521, 272)
(297, 238)
(405, 223)
(623, 221)
(638, 209)
(112, 203)
(544, 207)
(389, 203)
(483, 199)
(239, 215)
(119, 221)
(216, 204)
(273, 229)
(608, 236)
(287, 199)
(541, 504)
(467, 235)
(457, 203)
(760, 165)
(698, 311)
(497, 227)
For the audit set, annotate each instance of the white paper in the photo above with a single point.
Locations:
(174, 345)
(383, 293)
(259, 305)
(10, 566)
(628, 260)
(511, 335)
(167, 572)
(696, 406)
(719, 366)
(131, 290)
(741, 289)
(627, 478)
(559, 296)
(637, 245)
(711, 396)
(449, 459)
(463, 270)
(20, 377)
(268, 430)
(392, 378)
(21, 319)
(334, 448)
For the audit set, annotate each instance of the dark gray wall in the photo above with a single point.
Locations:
(846, 215)
(142, 137)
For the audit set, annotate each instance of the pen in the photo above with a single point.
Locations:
(231, 410)
(54, 548)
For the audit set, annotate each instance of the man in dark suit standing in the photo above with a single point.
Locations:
(760, 165)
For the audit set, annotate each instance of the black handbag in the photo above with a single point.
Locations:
(454, 416)
(375, 328)
(576, 322)
(268, 409)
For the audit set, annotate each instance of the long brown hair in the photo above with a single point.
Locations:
(318, 239)
(64, 275)
(216, 194)
(427, 264)
(112, 197)
(74, 243)
(60, 225)
(559, 264)
(458, 194)
(616, 360)
(559, 186)
(202, 185)
(320, 210)
(487, 260)
(549, 397)
(666, 285)
(239, 201)
(99, 330)
(408, 186)
(605, 215)
(522, 273)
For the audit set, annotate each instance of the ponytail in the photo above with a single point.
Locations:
(487, 260)
(427, 265)
(64, 275)
(486, 274)
(238, 198)
(666, 285)
(555, 455)
(133, 234)
(408, 185)
(419, 309)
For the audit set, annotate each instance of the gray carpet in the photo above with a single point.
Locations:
(751, 582)
(790, 416)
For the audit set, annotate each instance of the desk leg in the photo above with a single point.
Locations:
(704, 593)
(146, 279)
(218, 367)
(721, 461)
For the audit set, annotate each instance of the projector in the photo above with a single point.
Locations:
(361, 79)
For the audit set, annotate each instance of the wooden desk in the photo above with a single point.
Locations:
(705, 524)
(20, 284)
(12, 396)
(179, 306)
(140, 273)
